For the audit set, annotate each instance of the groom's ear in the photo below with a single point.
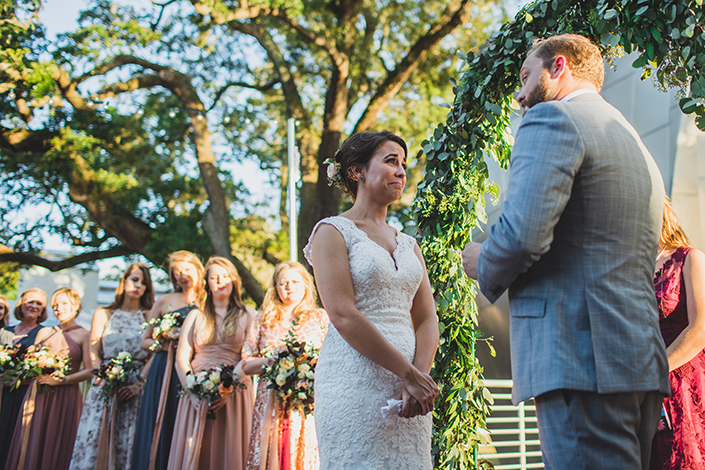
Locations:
(558, 67)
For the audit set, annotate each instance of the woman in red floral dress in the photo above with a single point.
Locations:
(680, 291)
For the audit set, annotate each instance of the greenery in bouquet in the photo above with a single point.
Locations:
(115, 373)
(11, 363)
(215, 382)
(165, 329)
(39, 360)
(291, 374)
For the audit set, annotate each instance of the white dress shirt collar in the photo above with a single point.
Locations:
(575, 93)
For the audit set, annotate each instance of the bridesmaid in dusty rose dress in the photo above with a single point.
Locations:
(53, 424)
(290, 303)
(212, 337)
(679, 443)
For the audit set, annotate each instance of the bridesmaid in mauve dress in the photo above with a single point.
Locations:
(186, 274)
(30, 311)
(679, 281)
(212, 337)
(290, 305)
(53, 424)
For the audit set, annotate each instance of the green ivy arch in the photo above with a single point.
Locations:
(669, 36)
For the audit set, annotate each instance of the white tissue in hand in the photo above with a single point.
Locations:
(393, 408)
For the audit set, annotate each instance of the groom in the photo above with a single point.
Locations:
(575, 245)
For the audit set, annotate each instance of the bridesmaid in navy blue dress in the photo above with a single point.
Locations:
(186, 274)
(30, 310)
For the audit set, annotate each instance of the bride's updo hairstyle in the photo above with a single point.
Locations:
(357, 150)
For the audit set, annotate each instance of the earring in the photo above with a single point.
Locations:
(362, 178)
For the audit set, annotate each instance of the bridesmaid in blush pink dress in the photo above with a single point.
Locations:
(290, 305)
(679, 281)
(212, 337)
(53, 424)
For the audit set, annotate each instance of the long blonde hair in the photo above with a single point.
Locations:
(273, 308)
(183, 256)
(236, 307)
(672, 234)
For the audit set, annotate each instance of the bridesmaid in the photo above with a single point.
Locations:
(53, 424)
(211, 337)
(186, 274)
(679, 281)
(5, 335)
(290, 304)
(30, 310)
(115, 328)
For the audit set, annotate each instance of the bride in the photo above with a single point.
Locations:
(383, 335)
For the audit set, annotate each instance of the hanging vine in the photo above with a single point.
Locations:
(669, 37)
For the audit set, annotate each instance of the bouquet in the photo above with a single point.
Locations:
(165, 328)
(11, 363)
(41, 361)
(291, 375)
(215, 382)
(116, 373)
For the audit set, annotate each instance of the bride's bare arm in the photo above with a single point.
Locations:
(184, 352)
(332, 273)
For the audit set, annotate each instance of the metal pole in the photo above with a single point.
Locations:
(293, 178)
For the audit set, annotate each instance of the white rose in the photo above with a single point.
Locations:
(331, 170)
(209, 386)
(302, 396)
(123, 355)
(280, 380)
(287, 364)
(49, 363)
(4, 357)
(201, 376)
(310, 375)
(214, 377)
(303, 368)
(190, 381)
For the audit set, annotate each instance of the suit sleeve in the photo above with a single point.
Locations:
(547, 154)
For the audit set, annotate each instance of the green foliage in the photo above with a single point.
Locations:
(450, 200)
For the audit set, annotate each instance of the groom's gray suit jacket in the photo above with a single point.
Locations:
(575, 245)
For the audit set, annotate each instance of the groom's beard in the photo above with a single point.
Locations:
(538, 94)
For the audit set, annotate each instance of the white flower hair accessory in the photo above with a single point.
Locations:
(333, 172)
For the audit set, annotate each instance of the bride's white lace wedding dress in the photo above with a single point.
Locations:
(351, 389)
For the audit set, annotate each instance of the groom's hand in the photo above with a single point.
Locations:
(470, 254)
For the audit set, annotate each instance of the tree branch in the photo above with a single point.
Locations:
(457, 13)
(25, 140)
(224, 88)
(35, 260)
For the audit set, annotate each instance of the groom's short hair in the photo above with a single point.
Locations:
(583, 56)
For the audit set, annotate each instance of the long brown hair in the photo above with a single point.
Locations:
(236, 307)
(18, 306)
(147, 299)
(273, 308)
(672, 234)
(6, 316)
(183, 256)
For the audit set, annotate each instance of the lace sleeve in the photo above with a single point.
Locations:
(340, 223)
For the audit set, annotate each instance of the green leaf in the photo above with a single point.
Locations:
(688, 105)
(642, 10)
(529, 18)
(611, 13)
(640, 62)
(656, 33)
(700, 122)
(685, 52)
(610, 39)
(689, 31)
